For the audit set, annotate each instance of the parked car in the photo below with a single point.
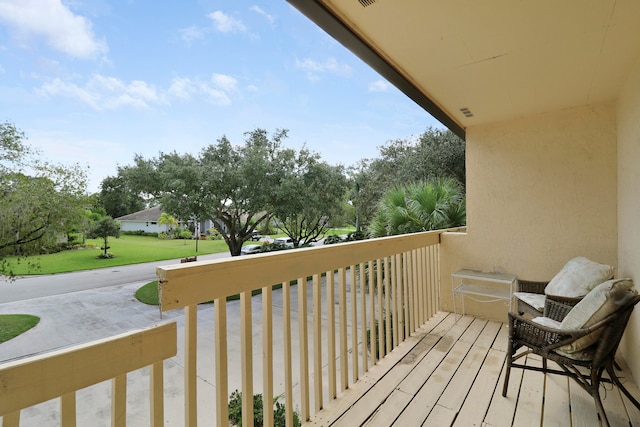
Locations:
(256, 237)
(286, 241)
(250, 249)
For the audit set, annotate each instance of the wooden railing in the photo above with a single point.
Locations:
(61, 373)
(355, 303)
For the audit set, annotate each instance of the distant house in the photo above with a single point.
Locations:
(144, 220)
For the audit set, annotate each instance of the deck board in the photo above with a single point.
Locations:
(451, 373)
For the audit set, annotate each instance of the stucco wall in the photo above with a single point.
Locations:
(628, 114)
(148, 227)
(540, 191)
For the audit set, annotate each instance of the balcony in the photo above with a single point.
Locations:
(427, 368)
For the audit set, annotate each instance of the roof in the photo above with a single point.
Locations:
(149, 215)
(470, 63)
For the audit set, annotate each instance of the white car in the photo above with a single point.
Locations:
(250, 249)
(286, 241)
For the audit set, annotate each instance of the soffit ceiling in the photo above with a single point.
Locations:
(504, 58)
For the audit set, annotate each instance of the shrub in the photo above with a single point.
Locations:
(162, 235)
(214, 234)
(140, 233)
(279, 411)
(334, 238)
(186, 234)
(274, 246)
(355, 235)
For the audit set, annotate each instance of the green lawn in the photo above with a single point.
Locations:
(12, 325)
(126, 249)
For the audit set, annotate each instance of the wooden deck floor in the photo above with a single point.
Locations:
(450, 374)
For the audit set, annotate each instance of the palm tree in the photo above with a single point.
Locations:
(421, 206)
(167, 219)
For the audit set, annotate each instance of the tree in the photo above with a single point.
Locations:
(232, 185)
(434, 154)
(169, 220)
(39, 202)
(102, 229)
(118, 198)
(421, 206)
(311, 194)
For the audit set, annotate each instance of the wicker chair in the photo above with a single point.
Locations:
(543, 341)
(534, 287)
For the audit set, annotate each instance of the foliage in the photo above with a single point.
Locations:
(12, 325)
(170, 221)
(435, 154)
(118, 198)
(273, 246)
(40, 202)
(185, 235)
(102, 229)
(140, 233)
(279, 411)
(421, 206)
(310, 193)
(332, 239)
(235, 186)
(214, 234)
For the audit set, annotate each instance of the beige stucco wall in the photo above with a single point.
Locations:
(540, 191)
(628, 114)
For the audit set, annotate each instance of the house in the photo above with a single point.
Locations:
(145, 220)
(547, 97)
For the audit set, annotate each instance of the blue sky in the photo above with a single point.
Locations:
(96, 81)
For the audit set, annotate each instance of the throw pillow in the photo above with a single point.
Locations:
(578, 276)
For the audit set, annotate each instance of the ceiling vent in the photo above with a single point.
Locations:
(467, 113)
(366, 3)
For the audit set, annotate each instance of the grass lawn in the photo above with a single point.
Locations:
(12, 325)
(127, 250)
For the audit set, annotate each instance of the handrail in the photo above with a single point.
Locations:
(59, 374)
(366, 296)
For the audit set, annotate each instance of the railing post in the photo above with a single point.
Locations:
(246, 348)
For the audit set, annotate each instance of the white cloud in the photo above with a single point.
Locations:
(315, 69)
(218, 91)
(226, 83)
(379, 86)
(56, 23)
(106, 93)
(225, 23)
(192, 33)
(268, 16)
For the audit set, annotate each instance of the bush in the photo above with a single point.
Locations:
(214, 234)
(334, 238)
(355, 235)
(140, 233)
(186, 234)
(274, 246)
(162, 235)
(279, 411)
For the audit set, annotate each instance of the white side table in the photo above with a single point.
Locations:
(466, 283)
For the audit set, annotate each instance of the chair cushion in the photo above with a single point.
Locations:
(578, 277)
(603, 300)
(534, 300)
(546, 321)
